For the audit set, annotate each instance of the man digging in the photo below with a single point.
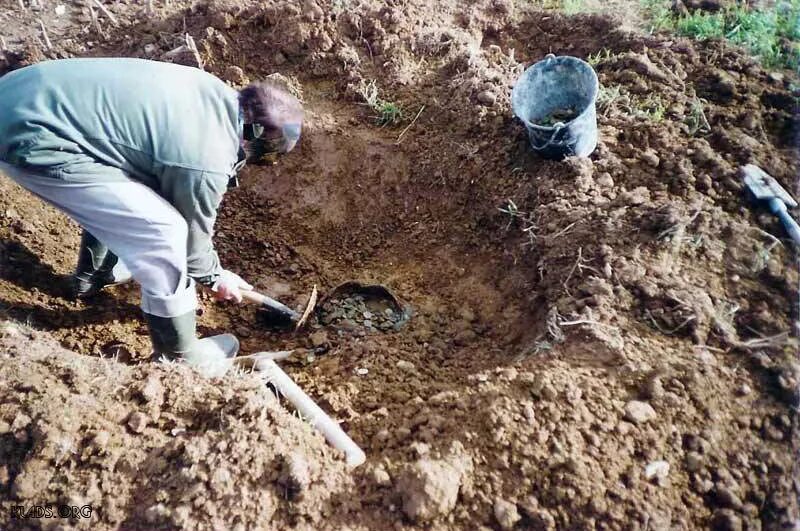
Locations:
(140, 153)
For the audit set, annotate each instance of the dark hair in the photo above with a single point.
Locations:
(270, 104)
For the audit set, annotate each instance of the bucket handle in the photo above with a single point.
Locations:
(556, 129)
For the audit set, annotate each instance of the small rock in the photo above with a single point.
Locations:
(726, 520)
(429, 489)
(549, 392)
(725, 497)
(639, 412)
(220, 479)
(23, 226)
(404, 365)
(776, 77)
(152, 390)
(150, 49)
(506, 514)
(420, 449)
(605, 181)
(650, 157)
(694, 461)
(295, 474)
(702, 485)
(467, 314)
(319, 338)
(381, 477)
(100, 439)
(487, 98)
(60, 10)
(156, 513)
(361, 371)
(243, 331)
(510, 374)
(464, 337)
(654, 388)
(137, 421)
(235, 75)
(743, 390)
(657, 470)
(724, 87)
(772, 432)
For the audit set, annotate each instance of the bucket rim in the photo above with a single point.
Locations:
(547, 58)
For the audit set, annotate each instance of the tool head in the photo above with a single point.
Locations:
(312, 302)
(764, 187)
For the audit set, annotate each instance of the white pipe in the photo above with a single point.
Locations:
(354, 456)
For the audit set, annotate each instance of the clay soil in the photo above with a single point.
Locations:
(595, 343)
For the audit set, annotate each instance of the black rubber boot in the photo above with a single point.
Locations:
(175, 339)
(95, 269)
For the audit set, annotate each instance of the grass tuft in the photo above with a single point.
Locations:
(387, 112)
(771, 33)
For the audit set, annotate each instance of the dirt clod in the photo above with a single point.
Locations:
(506, 514)
(137, 421)
(639, 412)
(429, 489)
(726, 520)
(295, 474)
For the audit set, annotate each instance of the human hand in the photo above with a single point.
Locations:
(228, 287)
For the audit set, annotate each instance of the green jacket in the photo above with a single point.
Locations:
(174, 128)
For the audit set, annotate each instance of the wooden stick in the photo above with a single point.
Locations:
(3, 46)
(400, 138)
(47, 42)
(107, 13)
(21, 5)
(95, 20)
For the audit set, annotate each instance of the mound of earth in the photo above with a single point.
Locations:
(601, 342)
(154, 446)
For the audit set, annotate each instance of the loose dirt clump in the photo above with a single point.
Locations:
(153, 446)
(595, 342)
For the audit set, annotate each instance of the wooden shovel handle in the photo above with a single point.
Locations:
(270, 303)
(253, 296)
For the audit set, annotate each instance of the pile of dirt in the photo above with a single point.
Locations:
(596, 342)
(154, 446)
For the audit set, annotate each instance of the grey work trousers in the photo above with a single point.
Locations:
(136, 224)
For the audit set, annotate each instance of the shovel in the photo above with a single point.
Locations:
(278, 313)
(765, 189)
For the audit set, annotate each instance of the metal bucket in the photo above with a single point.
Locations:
(554, 86)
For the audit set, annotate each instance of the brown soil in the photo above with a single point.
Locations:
(574, 322)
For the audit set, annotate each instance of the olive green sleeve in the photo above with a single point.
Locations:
(197, 195)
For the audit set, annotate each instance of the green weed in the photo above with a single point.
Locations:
(607, 98)
(388, 113)
(651, 108)
(696, 119)
(771, 33)
(525, 219)
(601, 56)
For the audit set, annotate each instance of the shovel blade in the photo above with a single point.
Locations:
(763, 187)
